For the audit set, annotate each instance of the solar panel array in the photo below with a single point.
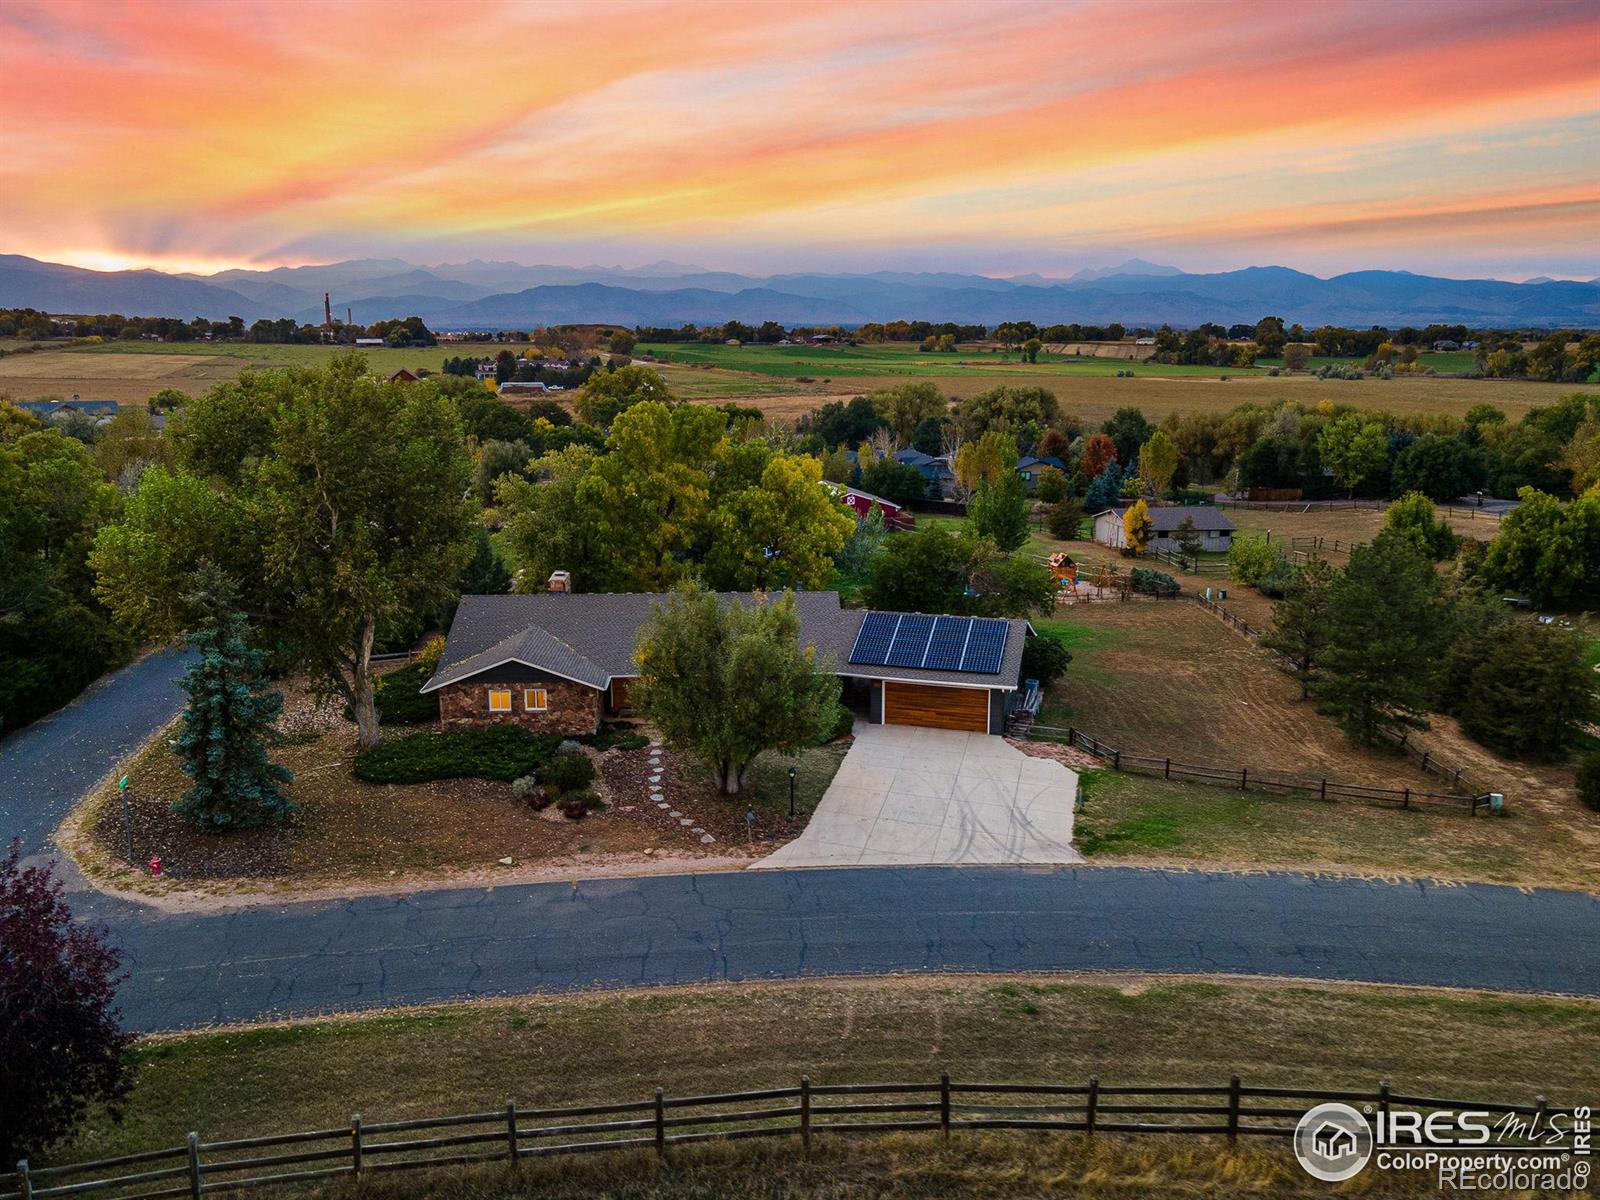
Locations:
(916, 640)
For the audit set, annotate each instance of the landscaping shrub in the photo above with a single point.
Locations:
(579, 805)
(1044, 658)
(397, 698)
(615, 738)
(567, 772)
(1276, 582)
(1153, 583)
(498, 752)
(1589, 780)
(1251, 558)
(844, 726)
(530, 789)
(1064, 520)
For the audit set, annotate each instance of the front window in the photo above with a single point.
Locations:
(535, 699)
(499, 699)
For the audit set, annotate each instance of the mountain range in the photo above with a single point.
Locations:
(507, 295)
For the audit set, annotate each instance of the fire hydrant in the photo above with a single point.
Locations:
(155, 865)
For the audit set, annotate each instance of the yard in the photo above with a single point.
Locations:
(594, 1047)
(1170, 679)
(351, 833)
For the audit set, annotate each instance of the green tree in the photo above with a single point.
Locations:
(228, 722)
(1354, 451)
(1188, 539)
(1011, 409)
(906, 406)
(782, 531)
(1414, 518)
(855, 557)
(607, 394)
(726, 682)
(1052, 487)
(484, 574)
(1530, 693)
(999, 511)
(986, 458)
(1441, 468)
(548, 528)
(1064, 519)
(1158, 463)
(1128, 430)
(896, 482)
(354, 517)
(925, 571)
(494, 460)
(1300, 621)
(1030, 350)
(1549, 551)
(1383, 640)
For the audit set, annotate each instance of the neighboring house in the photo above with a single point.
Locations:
(513, 387)
(403, 376)
(1214, 529)
(895, 516)
(934, 468)
(1029, 469)
(560, 662)
(45, 409)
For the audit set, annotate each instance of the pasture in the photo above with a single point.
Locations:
(1169, 679)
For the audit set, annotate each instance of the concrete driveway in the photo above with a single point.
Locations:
(921, 796)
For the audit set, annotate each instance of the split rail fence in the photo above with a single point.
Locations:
(1244, 778)
(511, 1134)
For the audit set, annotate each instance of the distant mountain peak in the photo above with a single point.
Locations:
(1133, 266)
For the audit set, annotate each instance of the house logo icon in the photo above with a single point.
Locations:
(1333, 1142)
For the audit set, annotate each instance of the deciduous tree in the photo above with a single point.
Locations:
(726, 682)
(1136, 528)
(1158, 463)
(607, 394)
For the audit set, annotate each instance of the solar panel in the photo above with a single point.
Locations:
(986, 646)
(874, 639)
(911, 640)
(948, 641)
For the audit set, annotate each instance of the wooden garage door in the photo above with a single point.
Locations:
(936, 707)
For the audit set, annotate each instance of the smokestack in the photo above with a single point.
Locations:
(327, 309)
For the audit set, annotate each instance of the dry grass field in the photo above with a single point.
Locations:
(620, 1045)
(130, 372)
(1168, 678)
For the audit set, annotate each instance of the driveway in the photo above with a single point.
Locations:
(906, 796)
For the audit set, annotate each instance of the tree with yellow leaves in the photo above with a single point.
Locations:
(1136, 529)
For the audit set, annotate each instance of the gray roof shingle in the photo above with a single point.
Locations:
(1165, 518)
(590, 637)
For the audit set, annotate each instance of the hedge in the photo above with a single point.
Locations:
(497, 752)
(399, 702)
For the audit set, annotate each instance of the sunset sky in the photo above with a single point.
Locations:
(1451, 138)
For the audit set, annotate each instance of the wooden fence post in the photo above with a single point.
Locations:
(661, 1124)
(1167, 773)
(1383, 1106)
(1541, 1104)
(355, 1145)
(1244, 775)
(1405, 800)
(944, 1104)
(195, 1186)
(1116, 760)
(1094, 1103)
(805, 1114)
(1324, 787)
(511, 1131)
(25, 1184)
(1425, 755)
(1233, 1109)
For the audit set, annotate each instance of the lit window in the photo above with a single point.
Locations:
(499, 699)
(535, 699)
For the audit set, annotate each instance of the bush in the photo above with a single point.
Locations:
(497, 752)
(1589, 780)
(615, 738)
(1044, 658)
(1251, 559)
(1276, 582)
(1064, 520)
(1153, 583)
(567, 772)
(530, 789)
(844, 726)
(580, 804)
(398, 700)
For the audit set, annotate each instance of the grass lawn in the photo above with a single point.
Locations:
(1169, 679)
(620, 1046)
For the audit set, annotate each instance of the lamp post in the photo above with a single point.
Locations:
(791, 793)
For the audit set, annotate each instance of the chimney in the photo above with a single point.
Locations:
(560, 581)
(327, 309)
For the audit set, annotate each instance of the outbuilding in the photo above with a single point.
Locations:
(1213, 529)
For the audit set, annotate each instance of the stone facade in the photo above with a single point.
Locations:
(572, 707)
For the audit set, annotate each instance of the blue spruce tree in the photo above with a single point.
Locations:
(229, 719)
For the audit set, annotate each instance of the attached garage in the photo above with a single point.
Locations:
(935, 706)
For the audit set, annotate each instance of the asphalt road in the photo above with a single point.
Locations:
(46, 766)
(251, 963)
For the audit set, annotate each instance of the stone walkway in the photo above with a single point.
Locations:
(661, 802)
(906, 796)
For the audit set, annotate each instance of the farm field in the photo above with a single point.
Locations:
(1169, 679)
(594, 1047)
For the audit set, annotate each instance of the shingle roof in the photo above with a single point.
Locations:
(1166, 518)
(590, 637)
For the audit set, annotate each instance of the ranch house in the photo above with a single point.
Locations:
(561, 662)
(1215, 530)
